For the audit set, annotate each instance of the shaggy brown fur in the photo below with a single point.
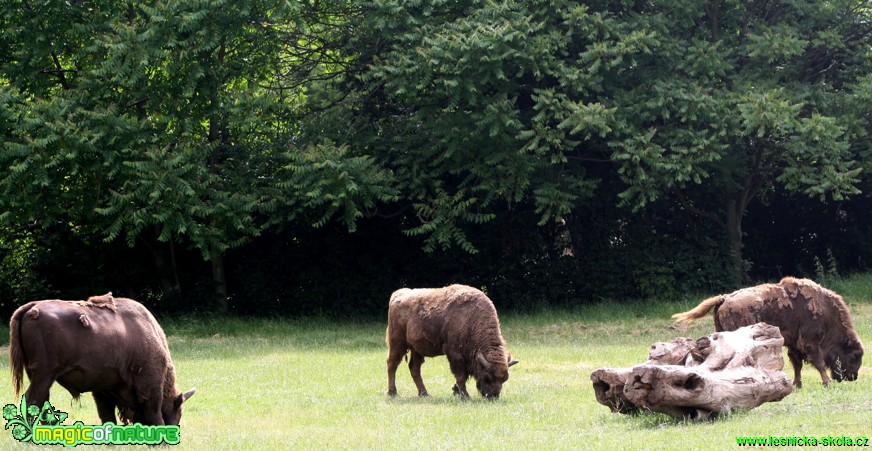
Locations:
(105, 301)
(112, 347)
(457, 321)
(814, 321)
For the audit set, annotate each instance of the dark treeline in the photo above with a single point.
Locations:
(298, 157)
(659, 253)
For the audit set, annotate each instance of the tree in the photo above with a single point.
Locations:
(473, 104)
(742, 97)
(173, 121)
(518, 103)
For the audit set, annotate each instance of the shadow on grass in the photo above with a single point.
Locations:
(654, 420)
(428, 400)
(299, 333)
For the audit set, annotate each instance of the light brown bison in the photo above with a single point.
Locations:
(814, 321)
(457, 321)
(112, 347)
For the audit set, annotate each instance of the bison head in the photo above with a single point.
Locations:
(490, 376)
(174, 416)
(844, 360)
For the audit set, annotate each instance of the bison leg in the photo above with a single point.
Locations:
(105, 407)
(796, 361)
(459, 370)
(459, 387)
(394, 359)
(148, 412)
(148, 401)
(817, 360)
(38, 391)
(151, 417)
(415, 362)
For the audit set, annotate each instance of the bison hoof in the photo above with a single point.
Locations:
(392, 393)
(459, 391)
(424, 394)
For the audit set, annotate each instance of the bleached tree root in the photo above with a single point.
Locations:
(700, 379)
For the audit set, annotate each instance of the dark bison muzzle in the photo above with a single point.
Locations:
(111, 347)
(457, 321)
(814, 321)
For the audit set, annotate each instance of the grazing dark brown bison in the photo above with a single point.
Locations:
(814, 321)
(457, 321)
(112, 347)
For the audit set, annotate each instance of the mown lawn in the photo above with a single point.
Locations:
(320, 384)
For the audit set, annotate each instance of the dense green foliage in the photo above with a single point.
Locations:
(168, 123)
(318, 155)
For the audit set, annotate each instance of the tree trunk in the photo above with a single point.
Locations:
(175, 267)
(724, 371)
(168, 272)
(220, 280)
(733, 227)
(731, 223)
(608, 383)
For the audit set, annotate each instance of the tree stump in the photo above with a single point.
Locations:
(699, 379)
(609, 383)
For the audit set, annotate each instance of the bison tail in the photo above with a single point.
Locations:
(16, 353)
(388, 336)
(699, 311)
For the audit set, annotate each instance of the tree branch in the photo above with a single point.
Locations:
(684, 203)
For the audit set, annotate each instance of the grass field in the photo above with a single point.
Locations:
(320, 384)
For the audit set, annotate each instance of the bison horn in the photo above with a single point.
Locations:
(480, 357)
(188, 394)
(512, 362)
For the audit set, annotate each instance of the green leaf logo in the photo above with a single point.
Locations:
(22, 423)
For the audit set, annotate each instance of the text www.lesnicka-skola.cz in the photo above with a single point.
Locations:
(803, 440)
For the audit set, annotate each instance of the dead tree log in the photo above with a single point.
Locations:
(699, 379)
(609, 383)
(608, 386)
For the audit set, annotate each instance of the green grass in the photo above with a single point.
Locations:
(319, 384)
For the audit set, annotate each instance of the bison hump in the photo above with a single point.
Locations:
(103, 301)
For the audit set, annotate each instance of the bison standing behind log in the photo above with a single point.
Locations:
(112, 347)
(814, 321)
(457, 321)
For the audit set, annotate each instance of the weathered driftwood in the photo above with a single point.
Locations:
(699, 379)
(608, 383)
